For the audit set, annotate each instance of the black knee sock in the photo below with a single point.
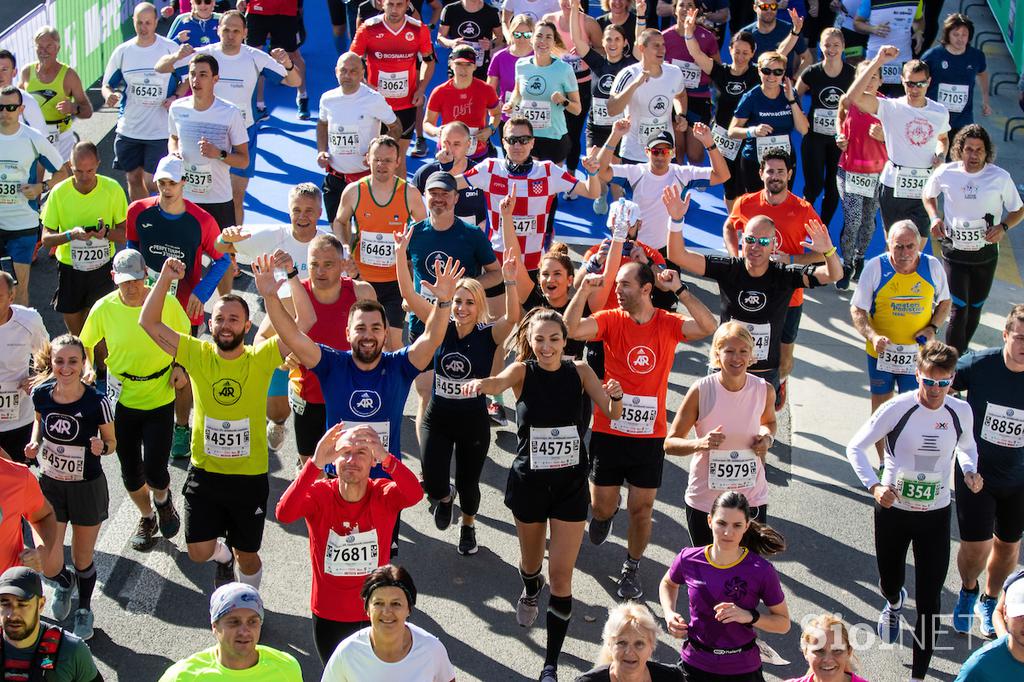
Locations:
(65, 578)
(86, 584)
(532, 582)
(558, 616)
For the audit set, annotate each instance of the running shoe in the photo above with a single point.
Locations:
(419, 150)
(986, 608)
(275, 435)
(181, 446)
(302, 103)
(60, 607)
(167, 518)
(963, 618)
(145, 534)
(780, 395)
(83, 624)
(467, 540)
(526, 607)
(497, 413)
(601, 205)
(444, 512)
(599, 530)
(549, 674)
(225, 572)
(261, 114)
(890, 618)
(630, 586)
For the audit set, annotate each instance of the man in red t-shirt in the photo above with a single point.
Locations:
(21, 498)
(790, 214)
(467, 99)
(393, 45)
(639, 350)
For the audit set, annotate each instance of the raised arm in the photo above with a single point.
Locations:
(579, 37)
(421, 352)
(702, 322)
(864, 101)
(150, 318)
(607, 396)
(677, 251)
(582, 328)
(705, 62)
(290, 338)
(418, 306)
(504, 325)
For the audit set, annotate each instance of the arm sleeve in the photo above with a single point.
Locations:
(863, 295)
(482, 248)
(39, 335)
(562, 180)
(237, 133)
(359, 41)
(873, 430)
(1011, 197)
(479, 176)
(771, 588)
(426, 42)
(48, 154)
(92, 330)
(296, 502)
(601, 317)
(208, 284)
(33, 493)
(967, 447)
(622, 80)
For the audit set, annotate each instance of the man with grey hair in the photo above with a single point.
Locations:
(350, 116)
(144, 95)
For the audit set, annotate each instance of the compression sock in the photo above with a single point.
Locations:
(64, 579)
(86, 584)
(253, 580)
(558, 616)
(221, 553)
(532, 583)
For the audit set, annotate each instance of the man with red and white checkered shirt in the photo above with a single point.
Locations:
(536, 185)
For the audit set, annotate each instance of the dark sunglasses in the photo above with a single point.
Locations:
(932, 383)
(522, 34)
(9, 107)
(763, 241)
(660, 151)
(916, 84)
(202, 2)
(768, 6)
(773, 72)
(518, 139)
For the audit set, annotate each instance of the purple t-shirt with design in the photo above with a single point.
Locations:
(503, 66)
(746, 583)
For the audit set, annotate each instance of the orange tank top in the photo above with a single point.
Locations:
(375, 227)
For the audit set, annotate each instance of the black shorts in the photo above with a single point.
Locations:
(130, 153)
(791, 327)
(78, 290)
(222, 505)
(407, 117)
(698, 110)
(566, 498)
(551, 149)
(336, 8)
(310, 426)
(80, 503)
(13, 442)
(617, 459)
(223, 213)
(995, 511)
(390, 297)
(597, 136)
(282, 30)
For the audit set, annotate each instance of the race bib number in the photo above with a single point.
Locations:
(449, 388)
(226, 439)
(968, 235)
(599, 113)
(198, 178)
(891, 73)
(383, 430)
(732, 469)
(824, 121)
(728, 146)
(377, 248)
(898, 359)
(52, 134)
(91, 254)
(691, 73)
(649, 127)
(296, 402)
(762, 334)
(919, 489)
(639, 414)
(63, 462)
(525, 226)
(152, 276)
(352, 555)
(146, 89)
(910, 182)
(1003, 426)
(772, 143)
(861, 184)
(10, 405)
(479, 52)
(113, 391)
(343, 140)
(537, 112)
(554, 448)
(393, 85)
(469, 220)
(953, 97)
(11, 179)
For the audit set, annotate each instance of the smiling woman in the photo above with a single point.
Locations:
(630, 637)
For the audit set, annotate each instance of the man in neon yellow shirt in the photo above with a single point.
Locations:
(227, 487)
(141, 381)
(83, 218)
(236, 617)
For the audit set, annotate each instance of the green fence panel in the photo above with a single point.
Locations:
(1011, 23)
(89, 32)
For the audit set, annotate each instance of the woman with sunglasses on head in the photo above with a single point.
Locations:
(764, 119)
(501, 72)
(827, 81)
(923, 430)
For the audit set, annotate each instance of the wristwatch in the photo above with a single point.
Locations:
(681, 289)
(223, 155)
(294, 273)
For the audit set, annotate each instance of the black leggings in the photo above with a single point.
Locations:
(700, 531)
(820, 157)
(467, 433)
(328, 634)
(151, 430)
(927, 532)
(969, 285)
(896, 208)
(575, 122)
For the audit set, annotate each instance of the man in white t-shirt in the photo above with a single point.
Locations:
(241, 68)
(647, 92)
(916, 138)
(350, 116)
(32, 116)
(22, 334)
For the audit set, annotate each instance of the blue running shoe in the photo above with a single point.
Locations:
(985, 608)
(889, 620)
(963, 612)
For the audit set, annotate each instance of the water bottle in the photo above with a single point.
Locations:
(346, 254)
(621, 227)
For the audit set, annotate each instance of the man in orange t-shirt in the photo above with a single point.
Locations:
(790, 214)
(21, 498)
(639, 350)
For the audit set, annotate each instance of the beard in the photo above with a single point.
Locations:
(367, 357)
(229, 345)
(19, 632)
(775, 186)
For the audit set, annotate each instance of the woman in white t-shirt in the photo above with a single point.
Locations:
(390, 649)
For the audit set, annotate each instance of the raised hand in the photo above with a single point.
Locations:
(509, 268)
(172, 269)
(796, 20)
(667, 279)
(676, 205)
(508, 202)
(621, 126)
(446, 276)
(326, 448)
(818, 239)
(263, 273)
(703, 133)
(887, 53)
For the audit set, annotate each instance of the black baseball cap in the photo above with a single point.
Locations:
(664, 137)
(441, 180)
(21, 582)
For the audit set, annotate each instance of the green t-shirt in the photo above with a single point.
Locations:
(274, 666)
(74, 660)
(66, 208)
(230, 396)
(132, 351)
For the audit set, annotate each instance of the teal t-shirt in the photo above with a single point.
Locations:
(536, 85)
(992, 663)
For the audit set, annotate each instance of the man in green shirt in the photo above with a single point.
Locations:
(236, 617)
(227, 487)
(141, 380)
(83, 218)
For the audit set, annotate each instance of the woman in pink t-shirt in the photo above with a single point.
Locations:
(501, 72)
(825, 643)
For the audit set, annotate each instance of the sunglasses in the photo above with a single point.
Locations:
(763, 241)
(773, 72)
(202, 2)
(916, 84)
(768, 6)
(522, 34)
(932, 383)
(9, 107)
(660, 151)
(518, 139)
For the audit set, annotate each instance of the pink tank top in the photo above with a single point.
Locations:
(864, 154)
(739, 415)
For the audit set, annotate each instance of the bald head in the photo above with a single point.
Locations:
(144, 7)
(349, 71)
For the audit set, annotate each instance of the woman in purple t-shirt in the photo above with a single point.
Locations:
(825, 643)
(725, 583)
(501, 72)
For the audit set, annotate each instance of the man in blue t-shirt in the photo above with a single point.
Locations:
(770, 34)
(1002, 659)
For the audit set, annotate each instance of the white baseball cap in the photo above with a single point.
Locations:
(1015, 599)
(169, 168)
